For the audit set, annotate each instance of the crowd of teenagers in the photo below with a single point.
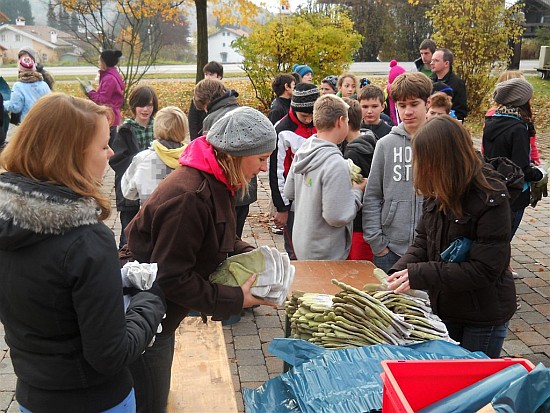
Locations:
(183, 187)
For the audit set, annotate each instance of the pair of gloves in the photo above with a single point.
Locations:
(539, 189)
(86, 85)
(274, 273)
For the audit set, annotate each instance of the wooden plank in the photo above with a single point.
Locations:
(201, 378)
(316, 276)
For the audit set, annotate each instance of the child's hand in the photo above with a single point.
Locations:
(399, 281)
(360, 186)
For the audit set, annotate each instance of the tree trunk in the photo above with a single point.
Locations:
(202, 37)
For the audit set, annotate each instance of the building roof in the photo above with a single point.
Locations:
(42, 34)
(237, 32)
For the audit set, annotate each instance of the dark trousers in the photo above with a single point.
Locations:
(125, 218)
(242, 213)
(287, 235)
(152, 373)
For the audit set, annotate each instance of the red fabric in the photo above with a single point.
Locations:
(360, 250)
(199, 154)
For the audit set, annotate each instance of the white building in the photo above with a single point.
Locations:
(219, 46)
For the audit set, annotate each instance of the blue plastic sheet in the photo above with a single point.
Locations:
(529, 394)
(474, 397)
(337, 381)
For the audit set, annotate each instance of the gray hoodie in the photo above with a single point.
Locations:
(391, 209)
(325, 202)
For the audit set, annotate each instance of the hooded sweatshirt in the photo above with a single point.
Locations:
(325, 202)
(391, 209)
(149, 167)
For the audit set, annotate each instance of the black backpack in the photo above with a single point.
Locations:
(510, 173)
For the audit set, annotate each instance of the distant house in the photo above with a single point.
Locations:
(51, 45)
(219, 46)
(537, 15)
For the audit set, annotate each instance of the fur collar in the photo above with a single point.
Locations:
(43, 208)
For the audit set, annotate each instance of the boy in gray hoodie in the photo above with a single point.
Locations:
(391, 208)
(319, 183)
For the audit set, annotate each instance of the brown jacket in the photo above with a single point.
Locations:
(187, 226)
(481, 290)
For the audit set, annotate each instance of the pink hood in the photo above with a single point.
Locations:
(199, 154)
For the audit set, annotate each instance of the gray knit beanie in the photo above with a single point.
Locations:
(243, 132)
(513, 92)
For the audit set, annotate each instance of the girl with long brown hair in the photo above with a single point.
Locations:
(466, 209)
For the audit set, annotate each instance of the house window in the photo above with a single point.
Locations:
(17, 37)
(3, 37)
(44, 57)
(223, 44)
(224, 57)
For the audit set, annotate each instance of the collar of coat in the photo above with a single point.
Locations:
(43, 208)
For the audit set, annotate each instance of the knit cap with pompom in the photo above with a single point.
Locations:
(395, 70)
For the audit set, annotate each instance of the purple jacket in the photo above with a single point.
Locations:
(110, 91)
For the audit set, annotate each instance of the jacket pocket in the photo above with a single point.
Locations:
(396, 223)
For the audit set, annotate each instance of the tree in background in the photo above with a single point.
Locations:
(478, 32)
(323, 39)
(408, 28)
(132, 27)
(373, 20)
(17, 8)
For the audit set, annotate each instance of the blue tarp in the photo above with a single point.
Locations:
(337, 381)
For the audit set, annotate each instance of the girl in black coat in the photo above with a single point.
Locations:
(61, 300)
(465, 201)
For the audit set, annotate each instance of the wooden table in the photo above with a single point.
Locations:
(316, 276)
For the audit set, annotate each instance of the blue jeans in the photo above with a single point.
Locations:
(387, 261)
(516, 220)
(128, 405)
(488, 339)
(151, 373)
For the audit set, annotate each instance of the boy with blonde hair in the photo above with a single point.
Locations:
(151, 166)
(319, 183)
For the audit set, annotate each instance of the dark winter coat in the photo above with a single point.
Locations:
(279, 109)
(481, 290)
(507, 136)
(61, 301)
(460, 98)
(360, 151)
(188, 227)
(195, 118)
(125, 146)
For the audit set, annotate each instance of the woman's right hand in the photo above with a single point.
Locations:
(250, 300)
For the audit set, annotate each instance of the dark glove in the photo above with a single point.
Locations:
(539, 189)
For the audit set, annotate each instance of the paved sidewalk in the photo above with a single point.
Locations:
(247, 340)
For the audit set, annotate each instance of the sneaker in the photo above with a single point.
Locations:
(515, 275)
(518, 302)
(276, 230)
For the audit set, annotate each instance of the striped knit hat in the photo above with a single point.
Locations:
(304, 97)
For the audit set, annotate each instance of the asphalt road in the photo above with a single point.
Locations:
(366, 68)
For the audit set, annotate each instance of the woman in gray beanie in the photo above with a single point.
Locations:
(187, 226)
(507, 134)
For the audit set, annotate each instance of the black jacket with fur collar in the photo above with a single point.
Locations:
(61, 301)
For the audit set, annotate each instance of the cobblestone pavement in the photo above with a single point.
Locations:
(247, 341)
